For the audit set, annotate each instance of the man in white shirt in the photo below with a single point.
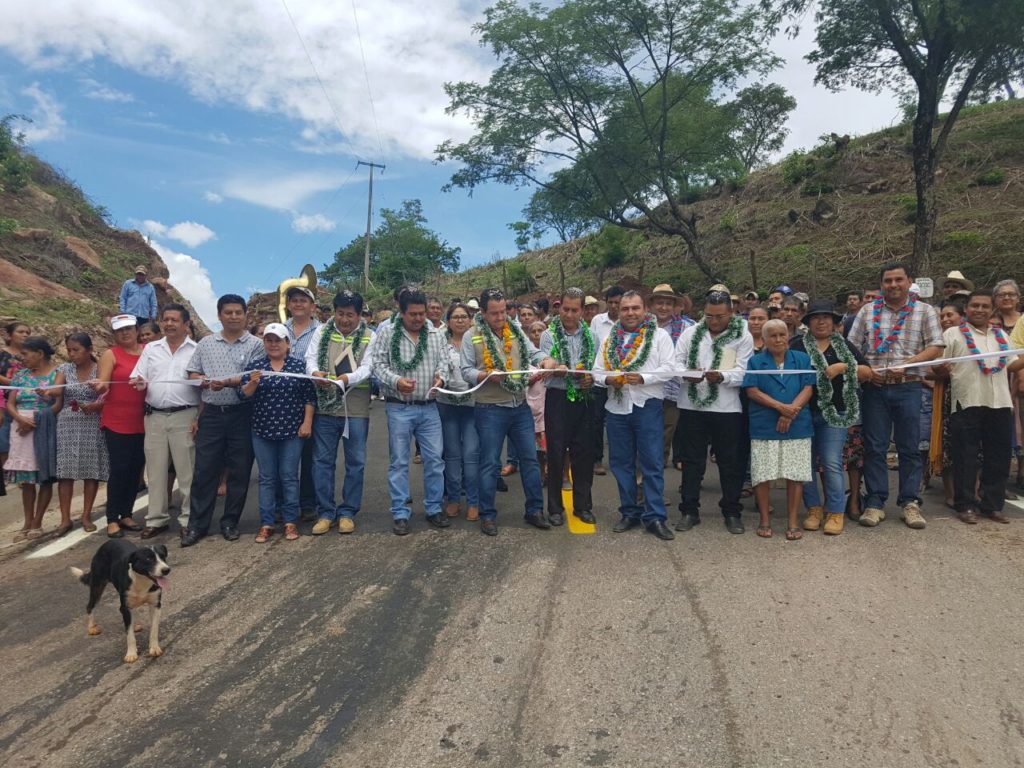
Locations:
(981, 413)
(637, 356)
(710, 410)
(302, 324)
(171, 413)
(600, 327)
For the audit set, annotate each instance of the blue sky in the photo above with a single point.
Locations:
(204, 126)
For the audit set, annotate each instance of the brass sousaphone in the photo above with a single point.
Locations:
(306, 280)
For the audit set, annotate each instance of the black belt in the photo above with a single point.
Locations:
(407, 402)
(174, 409)
(224, 408)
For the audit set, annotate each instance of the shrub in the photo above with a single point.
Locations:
(964, 239)
(796, 167)
(991, 178)
(8, 225)
(815, 188)
(728, 221)
(909, 205)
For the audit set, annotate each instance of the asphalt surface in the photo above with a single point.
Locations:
(880, 647)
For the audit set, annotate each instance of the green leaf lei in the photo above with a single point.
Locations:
(328, 398)
(396, 347)
(732, 332)
(517, 383)
(560, 354)
(613, 349)
(850, 385)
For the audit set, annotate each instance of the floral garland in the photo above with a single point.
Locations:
(637, 348)
(517, 382)
(328, 398)
(881, 346)
(560, 354)
(396, 348)
(455, 399)
(972, 346)
(832, 416)
(732, 332)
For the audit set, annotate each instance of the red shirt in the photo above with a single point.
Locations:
(124, 408)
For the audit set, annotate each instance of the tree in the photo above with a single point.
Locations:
(622, 94)
(555, 206)
(939, 48)
(612, 247)
(524, 233)
(761, 112)
(402, 250)
(15, 168)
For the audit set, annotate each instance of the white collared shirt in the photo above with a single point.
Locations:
(601, 326)
(732, 380)
(656, 371)
(359, 375)
(158, 364)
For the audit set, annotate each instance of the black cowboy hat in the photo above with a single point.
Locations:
(821, 307)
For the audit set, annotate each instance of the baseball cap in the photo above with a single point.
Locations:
(276, 329)
(117, 322)
(590, 301)
(141, 270)
(298, 289)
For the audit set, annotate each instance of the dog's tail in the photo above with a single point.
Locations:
(82, 576)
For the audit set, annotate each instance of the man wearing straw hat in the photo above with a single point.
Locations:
(663, 303)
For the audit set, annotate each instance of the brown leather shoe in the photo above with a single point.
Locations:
(968, 516)
(149, 533)
(996, 517)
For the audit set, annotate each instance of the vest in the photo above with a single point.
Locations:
(358, 397)
(492, 392)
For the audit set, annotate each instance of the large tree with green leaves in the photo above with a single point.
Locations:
(623, 96)
(402, 250)
(934, 49)
(760, 112)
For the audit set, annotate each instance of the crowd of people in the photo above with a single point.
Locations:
(782, 389)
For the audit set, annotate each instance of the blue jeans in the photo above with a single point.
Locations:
(404, 423)
(278, 467)
(493, 424)
(327, 433)
(635, 438)
(893, 408)
(827, 447)
(461, 454)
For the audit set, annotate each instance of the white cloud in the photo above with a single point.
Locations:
(192, 280)
(190, 233)
(246, 53)
(281, 193)
(315, 223)
(212, 197)
(47, 122)
(93, 89)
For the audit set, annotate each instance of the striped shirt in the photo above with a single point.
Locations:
(435, 361)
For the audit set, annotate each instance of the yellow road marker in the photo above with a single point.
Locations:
(574, 523)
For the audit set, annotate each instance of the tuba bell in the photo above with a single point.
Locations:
(306, 280)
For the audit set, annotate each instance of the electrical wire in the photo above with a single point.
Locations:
(366, 74)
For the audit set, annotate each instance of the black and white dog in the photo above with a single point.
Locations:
(139, 575)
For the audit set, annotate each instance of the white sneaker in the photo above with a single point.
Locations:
(912, 515)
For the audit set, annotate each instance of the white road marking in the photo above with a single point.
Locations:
(1017, 504)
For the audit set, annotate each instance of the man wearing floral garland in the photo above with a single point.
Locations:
(494, 344)
(569, 344)
(894, 329)
(710, 411)
(981, 418)
(409, 360)
(338, 351)
(634, 363)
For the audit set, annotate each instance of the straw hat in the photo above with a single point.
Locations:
(956, 276)
(664, 291)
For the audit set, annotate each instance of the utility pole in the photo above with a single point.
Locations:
(369, 220)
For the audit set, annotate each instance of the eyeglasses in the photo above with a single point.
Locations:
(1007, 295)
(459, 317)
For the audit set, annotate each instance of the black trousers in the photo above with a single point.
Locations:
(127, 458)
(990, 432)
(725, 432)
(597, 413)
(224, 441)
(569, 425)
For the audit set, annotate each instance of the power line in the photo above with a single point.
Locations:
(366, 74)
(323, 88)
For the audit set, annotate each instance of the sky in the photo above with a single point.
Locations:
(229, 132)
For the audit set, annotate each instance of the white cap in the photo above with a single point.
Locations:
(117, 322)
(590, 301)
(473, 304)
(276, 329)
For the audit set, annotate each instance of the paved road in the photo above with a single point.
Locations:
(884, 647)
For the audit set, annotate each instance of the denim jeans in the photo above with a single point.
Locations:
(327, 433)
(636, 438)
(404, 423)
(461, 454)
(895, 408)
(493, 424)
(278, 462)
(827, 448)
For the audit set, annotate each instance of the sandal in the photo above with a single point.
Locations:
(130, 525)
(64, 530)
(35, 533)
(764, 531)
(794, 534)
(291, 531)
(265, 533)
(509, 469)
(88, 525)
(21, 535)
